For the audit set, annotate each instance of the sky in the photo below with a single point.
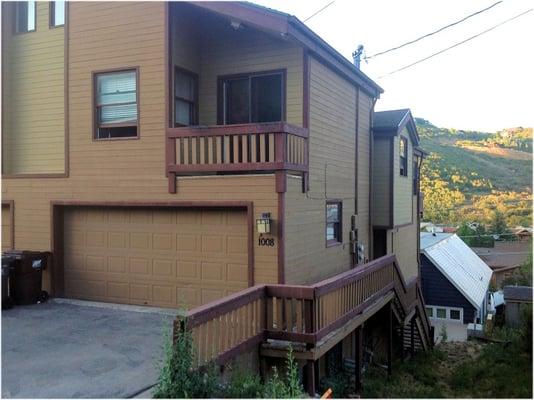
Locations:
(486, 84)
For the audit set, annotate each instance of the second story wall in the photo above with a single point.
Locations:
(334, 102)
(33, 101)
(382, 175)
(402, 185)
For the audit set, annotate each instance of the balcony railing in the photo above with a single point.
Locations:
(304, 314)
(265, 147)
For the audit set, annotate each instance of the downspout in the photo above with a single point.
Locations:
(371, 140)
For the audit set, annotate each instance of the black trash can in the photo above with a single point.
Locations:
(8, 266)
(28, 276)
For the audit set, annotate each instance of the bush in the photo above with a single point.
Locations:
(177, 376)
(289, 388)
(243, 385)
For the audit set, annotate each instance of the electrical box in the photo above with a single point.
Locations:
(360, 252)
(353, 222)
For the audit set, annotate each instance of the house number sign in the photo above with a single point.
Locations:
(266, 242)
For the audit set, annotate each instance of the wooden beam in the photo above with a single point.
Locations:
(390, 338)
(358, 358)
(310, 377)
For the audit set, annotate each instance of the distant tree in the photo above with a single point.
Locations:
(498, 223)
(474, 237)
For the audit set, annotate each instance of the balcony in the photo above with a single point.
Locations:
(238, 149)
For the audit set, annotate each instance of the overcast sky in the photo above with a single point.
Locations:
(486, 84)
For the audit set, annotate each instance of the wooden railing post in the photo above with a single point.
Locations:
(280, 145)
(390, 338)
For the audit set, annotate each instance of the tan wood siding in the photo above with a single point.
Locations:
(33, 101)
(381, 181)
(332, 163)
(402, 185)
(7, 227)
(404, 242)
(159, 257)
(126, 170)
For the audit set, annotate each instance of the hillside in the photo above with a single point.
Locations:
(468, 175)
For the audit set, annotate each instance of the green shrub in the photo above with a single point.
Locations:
(177, 376)
(243, 385)
(339, 383)
(288, 388)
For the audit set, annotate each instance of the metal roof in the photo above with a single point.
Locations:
(459, 264)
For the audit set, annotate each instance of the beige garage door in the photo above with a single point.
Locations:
(154, 256)
(7, 240)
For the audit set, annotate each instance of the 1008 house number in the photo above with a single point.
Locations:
(266, 242)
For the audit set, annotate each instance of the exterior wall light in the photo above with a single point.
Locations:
(263, 224)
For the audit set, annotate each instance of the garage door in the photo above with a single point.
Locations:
(7, 240)
(154, 256)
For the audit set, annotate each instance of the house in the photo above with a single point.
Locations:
(455, 284)
(216, 156)
(504, 258)
(517, 299)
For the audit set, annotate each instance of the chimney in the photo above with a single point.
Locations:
(356, 56)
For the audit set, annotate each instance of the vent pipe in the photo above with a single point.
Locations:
(356, 56)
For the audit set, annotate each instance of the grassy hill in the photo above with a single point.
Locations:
(470, 174)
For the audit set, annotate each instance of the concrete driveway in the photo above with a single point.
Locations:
(62, 350)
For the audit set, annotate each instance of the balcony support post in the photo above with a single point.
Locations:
(390, 337)
(358, 358)
(310, 377)
(172, 182)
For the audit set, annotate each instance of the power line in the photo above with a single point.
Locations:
(432, 33)
(456, 45)
(319, 11)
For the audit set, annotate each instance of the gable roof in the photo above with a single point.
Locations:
(459, 264)
(392, 122)
(286, 26)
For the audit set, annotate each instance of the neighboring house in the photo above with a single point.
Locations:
(504, 258)
(455, 284)
(516, 300)
(203, 154)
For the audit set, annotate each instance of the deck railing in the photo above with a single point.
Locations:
(304, 314)
(237, 148)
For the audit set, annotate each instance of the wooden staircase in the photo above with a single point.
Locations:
(314, 317)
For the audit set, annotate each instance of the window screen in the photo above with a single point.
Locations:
(25, 16)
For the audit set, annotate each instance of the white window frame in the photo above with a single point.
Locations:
(447, 313)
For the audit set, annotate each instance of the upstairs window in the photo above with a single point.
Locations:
(116, 105)
(333, 222)
(252, 98)
(403, 152)
(57, 13)
(185, 98)
(415, 174)
(24, 16)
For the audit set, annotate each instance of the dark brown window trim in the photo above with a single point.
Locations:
(339, 240)
(220, 94)
(15, 32)
(51, 18)
(11, 205)
(94, 106)
(174, 97)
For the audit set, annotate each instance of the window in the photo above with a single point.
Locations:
(430, 312)
(441, 313)
(57, 13)
(454, 314)
(415, 177)
(185, 98)
(116, 105)
(333, 222)
(24, 16)
(252, 98)
(403, 152)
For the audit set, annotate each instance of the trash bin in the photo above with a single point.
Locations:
(28, 276)
(8, 265)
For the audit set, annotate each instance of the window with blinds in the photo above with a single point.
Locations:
(24, 16)
(116, 105)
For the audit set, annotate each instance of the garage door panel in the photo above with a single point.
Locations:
(161, 257)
